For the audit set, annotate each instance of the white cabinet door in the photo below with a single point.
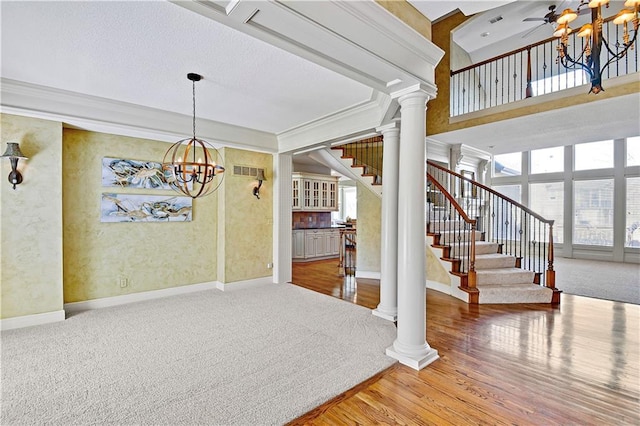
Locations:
(315, 194)
(334, 241)
(312, 192)
(314, 243)
(296, 189)
(298, 244)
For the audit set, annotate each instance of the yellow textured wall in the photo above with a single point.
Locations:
(368, 230)
(31, 231)
(246, 223)
(435, 270)
(404, 11)
(438, 108)
(151, 256)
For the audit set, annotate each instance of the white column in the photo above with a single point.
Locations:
(410, 346)
(282, 169)
(388, 306)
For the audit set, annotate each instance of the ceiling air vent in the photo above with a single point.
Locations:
(496, 19)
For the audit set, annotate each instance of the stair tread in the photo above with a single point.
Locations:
(520, 286)
(505, 271)
(493, 256)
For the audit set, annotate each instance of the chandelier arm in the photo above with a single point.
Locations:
(569, 63)
(619, 55)
(613, 54)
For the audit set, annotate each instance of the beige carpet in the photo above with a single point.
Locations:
(602, 280)
(257, 356)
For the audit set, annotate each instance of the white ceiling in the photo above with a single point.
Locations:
(139, 52)
(510, 32)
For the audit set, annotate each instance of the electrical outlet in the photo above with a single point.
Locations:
(123, 281)
(269, 265)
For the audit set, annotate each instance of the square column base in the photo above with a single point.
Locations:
(415, 362)
(389, 317)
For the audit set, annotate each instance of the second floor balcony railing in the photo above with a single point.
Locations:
(532, 71)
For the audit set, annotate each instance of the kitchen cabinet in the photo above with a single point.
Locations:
(296, 199)
(297, 246)
(310, 244)
(311, 192)
(314, 243)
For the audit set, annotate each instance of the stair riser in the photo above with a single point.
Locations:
(506, 262)
(445, 226)
(488, 264)
(515, 294)
(451, 238)
(480, 249)
(488, 277)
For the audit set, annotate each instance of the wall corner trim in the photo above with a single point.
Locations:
(437, 286)
(372, 275)
(239, 285)
(31, 320)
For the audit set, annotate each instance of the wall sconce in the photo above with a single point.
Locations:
(261, 178)
(14, 154)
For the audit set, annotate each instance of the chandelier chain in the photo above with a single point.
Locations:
(193, 85)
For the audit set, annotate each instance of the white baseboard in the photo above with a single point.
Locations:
(30, 320)
(368, 274)
(442, 288)
(137, 297)
(239, 285)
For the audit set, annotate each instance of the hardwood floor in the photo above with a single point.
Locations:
(499, 364)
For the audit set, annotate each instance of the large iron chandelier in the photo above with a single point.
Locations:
(192, 166)
(589, 59)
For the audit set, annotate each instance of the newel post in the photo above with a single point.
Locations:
(551, 274)
(472, 257)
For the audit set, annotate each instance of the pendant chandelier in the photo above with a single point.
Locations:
(193, 166)
(589, 59)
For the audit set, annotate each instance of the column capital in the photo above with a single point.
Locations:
(428, 91)
(394, 125)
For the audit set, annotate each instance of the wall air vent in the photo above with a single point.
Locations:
(248, 171)
(496, 19)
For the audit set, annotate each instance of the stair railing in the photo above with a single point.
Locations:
(453, 231)
(532, 70)
(366, 153)
(518, 231)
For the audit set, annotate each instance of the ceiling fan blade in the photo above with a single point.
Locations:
(532, 19)
(534, 29)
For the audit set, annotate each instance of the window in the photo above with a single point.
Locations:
(556, 83)
(632, 234)
(507, 164)
(594, 155)
(547, 199)
(504, 214)
(633, 151)
(547, 160)
(509, 191)
(593, 212)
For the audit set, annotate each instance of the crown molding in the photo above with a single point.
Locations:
(360, 40)
(93, 113)
(360, 119)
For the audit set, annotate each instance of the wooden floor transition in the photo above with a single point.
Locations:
(499, 364)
